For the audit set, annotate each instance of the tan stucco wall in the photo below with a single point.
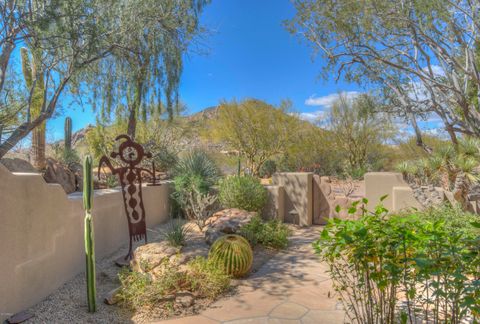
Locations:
(275, 207)
(298, 187)
(403, 199)
(378, 184)
(41, 236)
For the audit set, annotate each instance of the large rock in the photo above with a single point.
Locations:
(56, 172)
(77, 169)
(227, 221)
(148, 257)
(18, 165)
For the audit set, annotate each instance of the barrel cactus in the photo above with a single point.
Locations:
(233, 254)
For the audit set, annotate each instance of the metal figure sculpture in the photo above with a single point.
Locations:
(131, 155)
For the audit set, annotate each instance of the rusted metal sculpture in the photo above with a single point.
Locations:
(129, 175)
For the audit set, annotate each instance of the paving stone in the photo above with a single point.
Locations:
(255, 320)
(255, 304)
(283, 321)
(189, 320)
(289, 311)
(324, 317)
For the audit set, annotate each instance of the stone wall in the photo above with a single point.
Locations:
(41, 236)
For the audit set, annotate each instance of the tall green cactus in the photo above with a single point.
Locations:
(89, 239)
(68, 134)
(30, 70)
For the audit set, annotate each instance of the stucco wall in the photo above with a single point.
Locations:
(274, 208)
(298, 187)
(41, 236)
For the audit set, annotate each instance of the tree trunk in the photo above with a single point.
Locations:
(132, 123)
(38, 147)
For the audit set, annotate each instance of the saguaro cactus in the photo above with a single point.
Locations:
(89, 239)
(68, 134)
(31, 75)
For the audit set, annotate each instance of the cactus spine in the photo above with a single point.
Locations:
(30, 69)
(233, 254)
(68, 134)
(89, 238)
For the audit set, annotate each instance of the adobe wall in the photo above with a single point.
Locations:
(41, 234)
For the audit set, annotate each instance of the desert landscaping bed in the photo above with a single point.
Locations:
(68, 303)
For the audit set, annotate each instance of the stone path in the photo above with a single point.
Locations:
(292, 287)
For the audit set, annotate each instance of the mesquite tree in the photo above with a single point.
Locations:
(425, 54)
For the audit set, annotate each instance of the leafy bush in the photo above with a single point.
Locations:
(244, 192)
(177, 233)
(415, 267)
(267, 169)
(201, 278)
(272, 234)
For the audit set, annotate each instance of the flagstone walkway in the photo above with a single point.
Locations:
(292, 287)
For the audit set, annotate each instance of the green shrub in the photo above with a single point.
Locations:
(195, 174)
(199, 165)
(272, 234)
(268, 169)
(244, 192)
(428, 261)
(233, 254)
(201, 278)
(206, 278)
(177, 232)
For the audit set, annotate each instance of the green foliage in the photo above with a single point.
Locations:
(65, 156)
(268, 169)
(195, 174)
(201, 277)
(244, 192)
(446, 165)
(429, 260)
(89, 235)
(272, 234)
(111, 181)
(177, 232)
(233, 254)
(257, 130)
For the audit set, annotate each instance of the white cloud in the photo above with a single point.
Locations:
(314, 116)
(328, 100)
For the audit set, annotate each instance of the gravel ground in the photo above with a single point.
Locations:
(68, 303)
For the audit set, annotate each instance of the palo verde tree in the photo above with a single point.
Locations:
(257, 130)
(358, 131)
(423, 53)
(141, 78)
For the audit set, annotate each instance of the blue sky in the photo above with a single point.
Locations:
(249, 54)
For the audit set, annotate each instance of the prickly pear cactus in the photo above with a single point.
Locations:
(233, 254)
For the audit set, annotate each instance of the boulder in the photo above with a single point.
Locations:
(55, 172)
(148, 257)
(77, 169)
(18, 165)
(227, 221)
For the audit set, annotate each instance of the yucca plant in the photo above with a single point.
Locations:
(89, 236)
(233, 254)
